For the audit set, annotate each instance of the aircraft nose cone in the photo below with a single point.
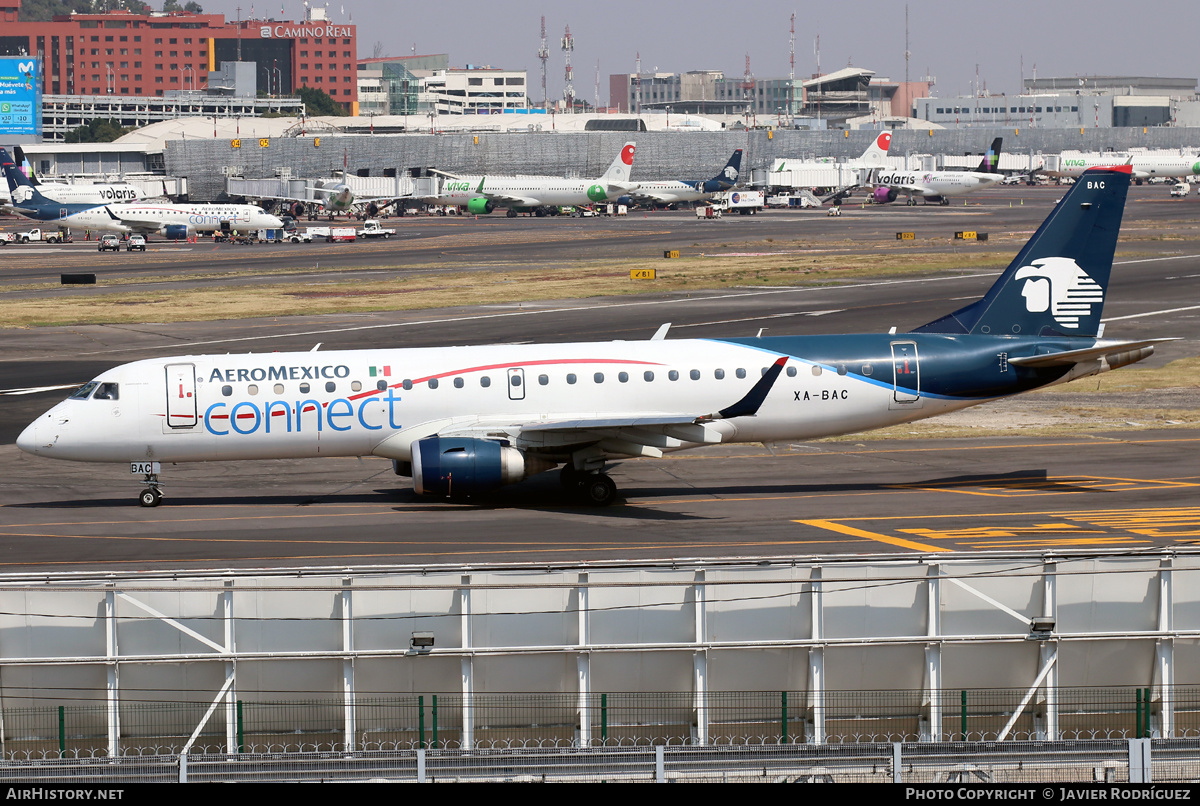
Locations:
(28, 441)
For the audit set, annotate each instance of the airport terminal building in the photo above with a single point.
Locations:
(120, 54)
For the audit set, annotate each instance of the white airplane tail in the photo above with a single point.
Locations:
(621, 166)
(876, 153)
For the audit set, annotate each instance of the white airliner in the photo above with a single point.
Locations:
(680, 190)
(936, 185)
(173, 221)
(1144, 165)
(462, 421)
(331, 197)
(542, 195)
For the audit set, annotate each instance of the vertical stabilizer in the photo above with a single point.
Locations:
(621, 166)
(990, 163)
(1055, 286)
(876, 153)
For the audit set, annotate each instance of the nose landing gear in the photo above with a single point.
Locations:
(152, 496)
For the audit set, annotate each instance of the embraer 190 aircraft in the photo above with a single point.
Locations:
(462, 421)
(542, 195)
(681, 190)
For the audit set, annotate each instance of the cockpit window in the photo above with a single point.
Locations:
(82, 392)
(106, 391)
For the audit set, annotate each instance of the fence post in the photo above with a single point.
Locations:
(897, 761)
(660, 765)
(421, 766)
(241, 728)
(783, 696)
(1137, 731)
(964, 714)
(62, 732)
(183, 767)
(604, 718)
(421, 719)
(1139, 761)
(435, 738)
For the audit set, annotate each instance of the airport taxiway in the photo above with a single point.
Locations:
(1123, 486)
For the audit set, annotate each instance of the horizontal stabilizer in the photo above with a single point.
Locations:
(1100, 350)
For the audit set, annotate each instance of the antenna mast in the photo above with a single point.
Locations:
(544, 55)
(568, 45)
(638, 69)
(792, 69)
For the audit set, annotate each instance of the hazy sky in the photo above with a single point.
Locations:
(947, 38)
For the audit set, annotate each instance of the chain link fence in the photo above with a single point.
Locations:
(729, 718)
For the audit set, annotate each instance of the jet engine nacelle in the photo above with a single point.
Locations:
(176, 232)
(462, 467)
(477, 206)
(884, 195)
(625, 200)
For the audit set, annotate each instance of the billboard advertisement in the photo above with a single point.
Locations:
(20, 96)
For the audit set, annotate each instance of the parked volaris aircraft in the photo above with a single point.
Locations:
(674, 191)
(542, 195)
(462, 421)
(173, 221)
(68, 193)
(937, 186)
(875, 156)
(1144, 165)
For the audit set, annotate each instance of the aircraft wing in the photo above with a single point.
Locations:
(137, 223)
(505, 198)
(634, 434)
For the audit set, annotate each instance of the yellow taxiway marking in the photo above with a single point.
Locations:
(1115, 526)
(842, 528)
(1009, 487)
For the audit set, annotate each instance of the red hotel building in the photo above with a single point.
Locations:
(125, 54)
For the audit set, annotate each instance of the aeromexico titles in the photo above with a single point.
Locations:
(462, 421)
(173, 221)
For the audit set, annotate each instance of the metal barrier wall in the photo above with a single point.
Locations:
(1139, 761)
(139, 660)
(660, 155)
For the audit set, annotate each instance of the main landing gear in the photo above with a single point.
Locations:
(152, 496)
(594, 489)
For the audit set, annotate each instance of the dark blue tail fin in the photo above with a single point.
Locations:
(24, 194)
(991, 158)
(1055, 286)
(729, 174)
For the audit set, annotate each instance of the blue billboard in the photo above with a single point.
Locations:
(20, 96)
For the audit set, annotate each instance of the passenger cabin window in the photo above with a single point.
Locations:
(598, 377)
(719, 374)
(304, 388)
(623, 377)
(330, 386)
(278, 388)
(458, 383)
(543, 379)
(227, 390)
(571, 377)
(433, 383)
(485, 381)
(791, 372)
(673, 375)
(741, 372)
(648, 375)
(694, 375)
(381, 385)
(356, 386)
(407, 384)
(816, 370)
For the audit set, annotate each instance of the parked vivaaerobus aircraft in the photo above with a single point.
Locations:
(1144, 165)
(937, 186)
(462, 421)
(542, 195)
(173, 221)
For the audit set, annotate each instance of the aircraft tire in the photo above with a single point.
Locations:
(150, 497)
(512, 213)
(598, 490)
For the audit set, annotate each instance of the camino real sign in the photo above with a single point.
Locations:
(20, 96)
(307, 29)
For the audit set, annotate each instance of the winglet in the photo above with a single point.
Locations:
(749, 405)
(661, 333)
